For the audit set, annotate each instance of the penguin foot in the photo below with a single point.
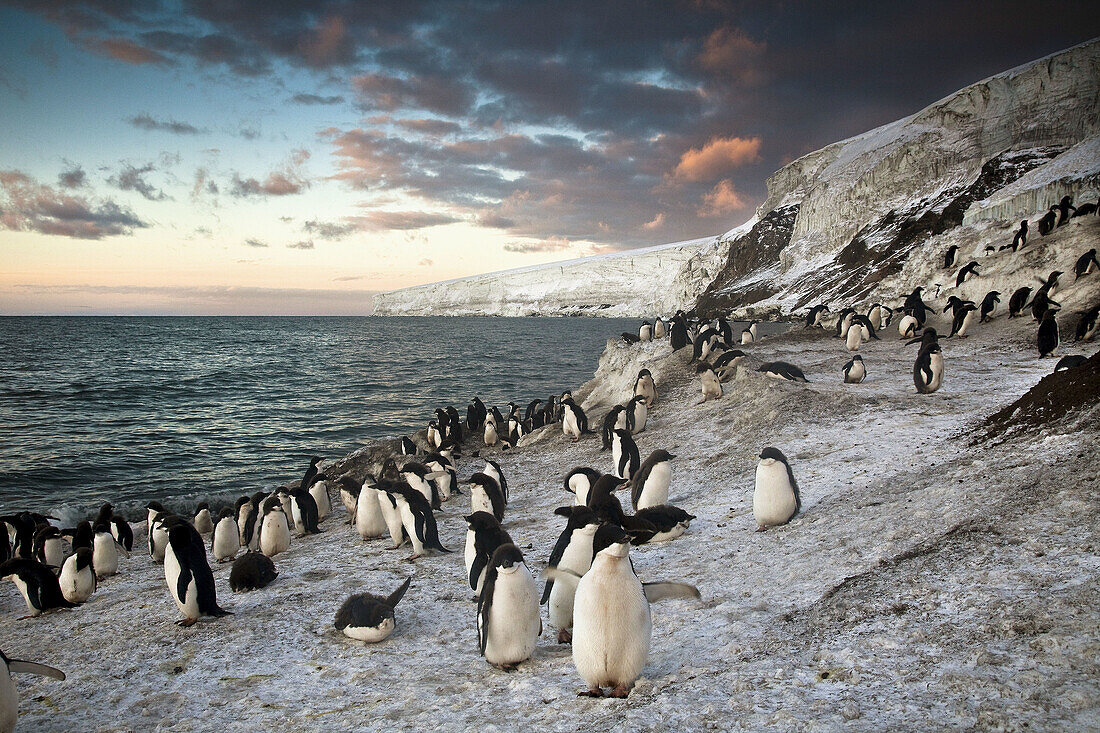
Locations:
(24, 618)
(185, 622)
(565, 636)
(761, 528)
(620, 692)
(592, 692)
(412, 557)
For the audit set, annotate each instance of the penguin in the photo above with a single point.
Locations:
(508, 620)
(611, 617)
(349, 496)
(39, 586)
(628, 338)
(9, 696)
(725, 366)
(649, 484)
(493, 470)
(1070, 362)
(1019, 239)
(82, 535)
(49, 546)
(579, 482)
(963, 318)
(915, 306)
(1017, 302)
(854, 337)
(1050, 285)
(274, 529)
(122, 532)
(319, 492)
(989, 305)
(1047, 339)
(637, 413)
(1086, 210)
(483, 536)
(907, 327)
(949, 257)
(157, 535)
(678, 333)
(390, 513)
(854, 371)
(970, 269)
(659, 329)
(369, 520)
(815, 318)
(844, 321)
(311, 474)
(486, 496)
(782, 370)
(304, 512)
(105, 552)
(866, 328)
(287, 503)
(418, 476)
(574, 422)
(615, 419)
(203, 523)
(190, 581)
(406, 447)
(246, 520)
(709, 383)
(416, 518)
(1088, 324)
(645, 387)
(369, 618)
(776, 499)
(1064, 207)
(475, 414)
(226, 542)
(645, 332)
(573, 552)
(454, 426)
(874, 315)
(433, 436)
(928, 369)
(490, 436)
(703, 343)
(1084, 264)
(251, 571)
(624, 454)
(747, 337)
(1041, 303)
(532, 415)
(670, 521)
(1046, 223)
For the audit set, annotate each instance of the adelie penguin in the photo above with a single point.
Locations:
(274, 529)
(416, 518)
(508, 621)
(494, 471)
(624, 454)
(612, 626)
(251, 571)
(572, 552)
(854, 371)
(782, 370)
(9, 696)
(615, 419)
(928, 368)
(369, 520)
(1046, 223)
(645, 387)
(369, 618)
(645, 332)
(726, 365)
(854, 337)
(1018, 301)
(908, 327)
(964, 316)
(190, 581)
(38, 586)
(1064, 207)
(1048, 339)
(989, 305)
(579, 482)
(637, 414)
(669, 521)
(49, 546)
(1085, 264)
(709, 383)
(659, 329)
(574, 422)
(486, 495)
(970, 269)
(483, 536)
(226, 542)
(815, 318)
(1070, 362)
(105, 551)
(203, 523)
(1019, 239)
(776, 499)
(649, 484)
(949, 257)
(406, 447)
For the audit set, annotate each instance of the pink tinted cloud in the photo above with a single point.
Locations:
(716, 158)
(721, 200)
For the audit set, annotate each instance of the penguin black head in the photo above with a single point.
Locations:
(104, 527)
(703, 367)
(645, 373)
(773, 453)
(241, 502)
(272, 504)
(352, 486)
(226, 513)
(481, 521)
(610, 535)
(857, 357)
(156, 506)
(660, 455)
(506, 556)
(202, 505)
(83, 558)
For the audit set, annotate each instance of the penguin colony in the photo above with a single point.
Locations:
(594, 599)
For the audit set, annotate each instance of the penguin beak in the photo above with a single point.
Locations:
(619, 549)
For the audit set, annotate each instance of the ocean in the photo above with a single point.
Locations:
(130, 409)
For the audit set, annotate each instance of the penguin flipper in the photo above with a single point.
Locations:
(662, 590)
(479, 563)
(561, 575)
(42, 670)
(394, 598)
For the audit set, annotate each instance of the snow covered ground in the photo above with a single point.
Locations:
(928, 582)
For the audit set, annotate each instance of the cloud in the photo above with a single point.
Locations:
(721, 200)
(719, 156)
(289, 180)
(329, 230)
(384, 221)
(305, 244)
(130, 178)
(550, 244)
(426, 262)
(125, 50)
(147, 122)
(255, 243)
(316, 99)
(72, 177)
(730, 54)
(27, 206)
(656, 222)
(204, 184)
(433, 93)
(248, 132)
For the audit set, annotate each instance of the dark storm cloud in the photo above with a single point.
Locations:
(26, 205)
(147, 122)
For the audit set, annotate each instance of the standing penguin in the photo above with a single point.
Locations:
(645, 388)
(203, 523)
(49, 546)
(970, 269)
(612, 625)
(659, 329)
(854, 371)
(776, 499)
(508, 620)
(416, 518)
(1064, 207)
(483, 536)
(949, 257)
(928, 368)
(907, 327)
(637, 413)
(9, 696)
(1046, 223)
(964, 316)
(615, 419)
(490, 436)
(38, 586)
(369, 520)
(579, 482)
(369, 618)
(120, 528)
(406, 446)
(190, 581)
(104, 552)
(1084, 264)
(649, 484)
(574, 422)
(274, 530)
(1019, 239)
(678, 334)
(226, 542)
(486, 496)
(854, 337)
(1048, 338)
(624, 453)
(989, 305)
(349, 496)
(645, 332)
(493, 470)
(815, 318)
(319, 492)
(304, 511)
(1018, 301)
(709, 382)
(157, 533)
(573, 552)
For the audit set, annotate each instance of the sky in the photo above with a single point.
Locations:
(231, 157)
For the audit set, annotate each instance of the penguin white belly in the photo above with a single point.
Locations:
(275, 534)
(569, 425)
(611, 625)
(578, 558)
(76, 585)
(369, 521)
(855, 338)
(514, 622)
(189, 606)
(420, 485)
(392, 517)
(9, 702)
(158, 541)
(907, 327)
(491, 436)
(712, 388)
(408, 519)
(936, 363)
(856, 373)
(26, 597)
(469, 553)
(479, 500)
(54, 550)
(226, 541)
(203, 523)
(351, 503)
(655, 488)
(773, 501)
(641, 414)
(370, 634)
(444, 484)
(746, 337)
(620, 421)
(104, 554)
(319, 492)
(296, 514)
(672, 534)
(242, 520)
(580, 485)
(967, 320)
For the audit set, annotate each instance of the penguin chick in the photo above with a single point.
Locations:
(369, 618)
